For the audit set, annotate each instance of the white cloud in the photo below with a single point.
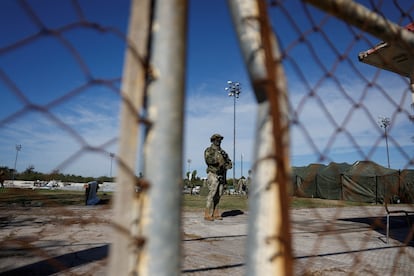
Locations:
(47, 144)
(208, 114)
(343, 128)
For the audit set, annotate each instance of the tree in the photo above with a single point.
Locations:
(8, 172)
(29, 169)
(30, 174)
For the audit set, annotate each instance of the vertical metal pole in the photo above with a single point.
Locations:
(386, 143)
(241, 165)
(189, 168)
(127, 243)
(234, 141)
(18, 148)
(268, 242)
(234, 91)
(388, 227)
(164, 140)
(111, 155)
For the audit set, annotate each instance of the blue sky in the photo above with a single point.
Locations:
(53, 109)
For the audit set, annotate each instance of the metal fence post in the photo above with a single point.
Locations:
(164, 139)
(125, 248)
(147, 239)
(268, 242)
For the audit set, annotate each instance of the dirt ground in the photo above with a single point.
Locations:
(326, 241)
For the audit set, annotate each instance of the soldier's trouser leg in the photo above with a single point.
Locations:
(207, 215)
(217, 214)
(212, 183)
(219, 193)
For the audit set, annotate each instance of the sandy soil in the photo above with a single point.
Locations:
(326, 241)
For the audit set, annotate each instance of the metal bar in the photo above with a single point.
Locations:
(388, 227)
(268, 241)
(164, 141)
(124, 248)
(371, 22)
(368, 21)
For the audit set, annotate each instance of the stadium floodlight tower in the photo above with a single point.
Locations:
(392, 57)
(234, 90)
(384, 122)
(111, 155)
(18, 148)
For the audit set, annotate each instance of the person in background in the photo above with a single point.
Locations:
(241, 186)
(2, 178)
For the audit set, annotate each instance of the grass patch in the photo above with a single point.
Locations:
(57, 198)
(44, 197)
(227, 202)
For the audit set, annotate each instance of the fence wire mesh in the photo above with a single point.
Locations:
(351, 121)
(343, 76)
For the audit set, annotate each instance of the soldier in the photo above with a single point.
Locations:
(218, 162)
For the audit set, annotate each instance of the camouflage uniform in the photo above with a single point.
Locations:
(218, 163)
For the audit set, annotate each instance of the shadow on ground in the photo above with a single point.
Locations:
(61, 263)
(400, 229)
(232, 213)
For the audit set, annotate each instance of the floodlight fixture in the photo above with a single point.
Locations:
(233, 88)
(383, 121)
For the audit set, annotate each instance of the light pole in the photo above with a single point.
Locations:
(188, 168)
(111, 155)
(384, 122)
(18, 148)
(234, 90)
(241, 165)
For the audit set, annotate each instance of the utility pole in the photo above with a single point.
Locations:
(111, 155)
(18, 148)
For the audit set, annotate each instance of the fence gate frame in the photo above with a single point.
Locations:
(147, 228)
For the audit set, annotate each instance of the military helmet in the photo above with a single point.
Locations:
(216, 136)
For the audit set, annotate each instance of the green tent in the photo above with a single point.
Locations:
(363, 181)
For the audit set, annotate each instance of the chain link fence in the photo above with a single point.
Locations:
(333, 84)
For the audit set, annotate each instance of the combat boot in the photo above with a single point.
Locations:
(217, 215)
(207, 215)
